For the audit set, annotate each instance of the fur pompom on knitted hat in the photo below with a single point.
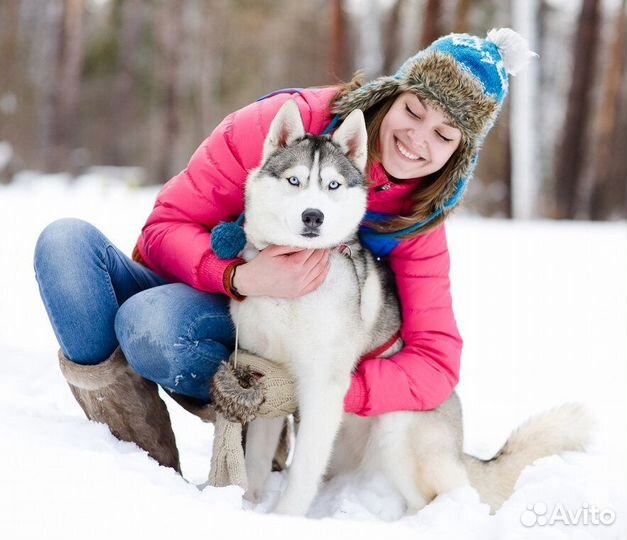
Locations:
(464, 76)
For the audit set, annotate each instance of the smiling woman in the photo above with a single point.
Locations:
(415, 138)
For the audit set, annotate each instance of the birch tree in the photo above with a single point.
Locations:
(525, 173)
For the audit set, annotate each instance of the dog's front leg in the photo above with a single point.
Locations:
(321, 404)
(262, 438)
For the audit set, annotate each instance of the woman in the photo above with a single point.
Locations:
(166, 311)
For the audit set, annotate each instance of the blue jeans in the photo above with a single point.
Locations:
(98, 298)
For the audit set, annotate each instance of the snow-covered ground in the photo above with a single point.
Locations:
(542, 307)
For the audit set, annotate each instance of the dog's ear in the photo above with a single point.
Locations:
(352, 138)
(286, 128)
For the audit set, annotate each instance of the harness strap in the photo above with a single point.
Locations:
(382, 348)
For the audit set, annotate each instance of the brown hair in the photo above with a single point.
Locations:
(430, 189)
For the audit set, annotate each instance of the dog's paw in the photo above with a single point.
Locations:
(253, 495)
(290, 506)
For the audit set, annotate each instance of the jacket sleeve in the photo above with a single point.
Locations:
(176, 239)
(424, 373)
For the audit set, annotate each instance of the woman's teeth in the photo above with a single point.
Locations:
(406, 152)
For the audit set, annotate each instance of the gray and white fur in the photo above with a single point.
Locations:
(311, 192)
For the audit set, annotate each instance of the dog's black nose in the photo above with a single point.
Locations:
(312, 218)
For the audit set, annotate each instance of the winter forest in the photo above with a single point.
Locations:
(103, 101)
(140, 83)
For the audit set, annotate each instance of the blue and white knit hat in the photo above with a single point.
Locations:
(466, 77)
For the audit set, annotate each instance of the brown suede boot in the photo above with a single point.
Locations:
(113, 394)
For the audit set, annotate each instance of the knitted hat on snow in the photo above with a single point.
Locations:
(466, 78)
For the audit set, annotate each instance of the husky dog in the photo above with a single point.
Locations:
(310, 192)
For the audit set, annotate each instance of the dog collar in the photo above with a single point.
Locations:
(345, 250)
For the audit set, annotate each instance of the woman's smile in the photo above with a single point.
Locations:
(405, 152)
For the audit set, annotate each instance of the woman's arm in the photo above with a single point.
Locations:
(176, 239)
(424, 373)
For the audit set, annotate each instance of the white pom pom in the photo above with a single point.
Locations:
(513, 47)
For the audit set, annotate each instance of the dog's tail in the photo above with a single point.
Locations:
(565, 428)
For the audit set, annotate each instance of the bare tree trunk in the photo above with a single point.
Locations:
(600, 202)
(212, 44)
(392, 37)
(69, 59)
(461, 16)
(339, 59)
(432, 24)
(10, 84)
(570, 158)
(170, 31)
(618, 170)
(120, 144)
(8, 52)
(493, 173)
(47, 92)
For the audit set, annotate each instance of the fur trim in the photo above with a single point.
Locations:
(438, 78)
(462, 170)
(94, 377)
(237, 393)
(366, 96)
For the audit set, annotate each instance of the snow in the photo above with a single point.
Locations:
(542, 307)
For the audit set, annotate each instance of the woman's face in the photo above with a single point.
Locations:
(415, 139)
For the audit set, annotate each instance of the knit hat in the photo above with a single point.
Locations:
(464, 76)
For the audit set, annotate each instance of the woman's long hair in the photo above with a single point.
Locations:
(426, 195)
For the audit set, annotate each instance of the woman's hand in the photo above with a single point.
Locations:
(282, 272)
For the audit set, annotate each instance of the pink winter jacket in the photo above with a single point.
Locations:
(176, 243)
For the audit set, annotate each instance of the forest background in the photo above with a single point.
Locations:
(138, 84)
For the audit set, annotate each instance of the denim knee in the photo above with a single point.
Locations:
(143, 331)
(176, 336)
(60, 237)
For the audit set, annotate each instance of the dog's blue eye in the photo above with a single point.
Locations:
(334, 184)
(293, 180)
